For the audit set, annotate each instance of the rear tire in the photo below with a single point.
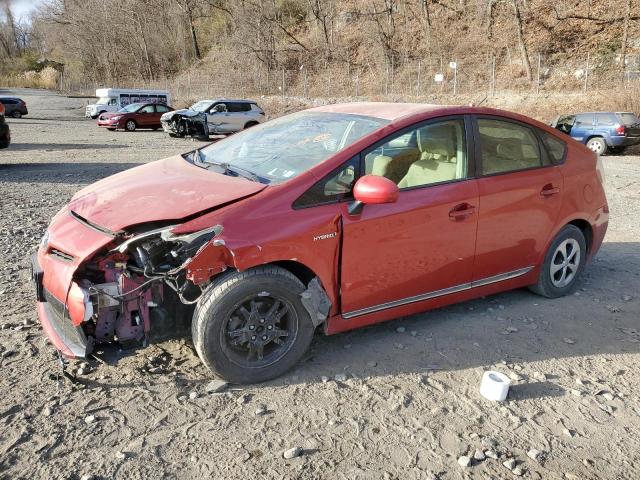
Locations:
(251, 326)
(250, 124)
(597, 145)
(563, 263)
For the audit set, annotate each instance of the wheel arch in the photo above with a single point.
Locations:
(586, 229)
(251, 123)
(606, 143)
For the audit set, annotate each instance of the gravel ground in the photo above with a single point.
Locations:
(398, 400)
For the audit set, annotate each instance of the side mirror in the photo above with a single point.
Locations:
(373, 190)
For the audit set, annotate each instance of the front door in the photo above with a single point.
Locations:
(520, 197)
(423, 245)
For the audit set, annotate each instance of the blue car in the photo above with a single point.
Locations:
(602, 132)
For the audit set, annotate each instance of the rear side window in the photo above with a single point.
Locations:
(9, 101)
(238, 106)
(336, 186)
(555, 147)
(606, 119)
(507, 146)
(628, 119)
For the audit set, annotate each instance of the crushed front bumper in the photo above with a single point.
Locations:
(56, 321)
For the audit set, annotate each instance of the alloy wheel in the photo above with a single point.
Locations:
(131, 125)
(597, 146)
(565, 263)
(259, 331)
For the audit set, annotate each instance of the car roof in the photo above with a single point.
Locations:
(387, 110)
(236, 100)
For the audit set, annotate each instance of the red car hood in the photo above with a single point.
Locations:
(169, 189)
(111, 114)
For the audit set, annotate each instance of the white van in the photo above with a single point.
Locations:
(113, 99)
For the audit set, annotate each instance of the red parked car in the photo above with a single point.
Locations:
(134, 116)
(332, 218)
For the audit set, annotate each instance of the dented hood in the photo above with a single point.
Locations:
(169, 189)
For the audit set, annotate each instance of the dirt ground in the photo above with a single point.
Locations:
(408, 408)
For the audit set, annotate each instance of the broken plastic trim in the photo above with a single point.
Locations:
(316, 302)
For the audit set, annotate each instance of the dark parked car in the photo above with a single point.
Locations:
(331, 218)
(5, 133)
(14, 107)
(134, 116)
(213, 117)
(601, 131)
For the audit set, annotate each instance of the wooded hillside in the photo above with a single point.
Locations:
(370, 46)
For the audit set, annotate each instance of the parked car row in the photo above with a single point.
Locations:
(602, 132)
(130, 110)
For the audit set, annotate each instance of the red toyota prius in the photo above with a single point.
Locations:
(327, 219)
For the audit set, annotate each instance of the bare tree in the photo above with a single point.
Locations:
(521, 41)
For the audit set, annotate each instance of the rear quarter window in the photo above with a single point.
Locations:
(556, 148)
(606, 119)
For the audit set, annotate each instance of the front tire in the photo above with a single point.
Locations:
(597, 145)
(251, 326)
(130, 126)
(563, 263)
(16, 114)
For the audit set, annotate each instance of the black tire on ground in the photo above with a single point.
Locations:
(562, 264)
(111, 129)
(16, 114)
(598, 145)
(250, 124)
(130, 126)
(239, 312)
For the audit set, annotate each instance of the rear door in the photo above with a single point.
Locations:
(520, 196)
(160, 110)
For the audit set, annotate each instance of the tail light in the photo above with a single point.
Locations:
(621, 130)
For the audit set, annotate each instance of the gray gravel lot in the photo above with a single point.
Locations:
(407, 407)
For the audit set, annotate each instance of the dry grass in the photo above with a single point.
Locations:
(48, 78)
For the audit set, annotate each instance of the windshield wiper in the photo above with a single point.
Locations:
(238, 171)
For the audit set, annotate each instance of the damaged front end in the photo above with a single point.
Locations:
(133, 291)
(181, 123)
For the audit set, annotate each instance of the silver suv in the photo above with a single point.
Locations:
(212, 117)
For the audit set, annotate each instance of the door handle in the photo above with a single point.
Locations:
(549, 190)
(461, 211)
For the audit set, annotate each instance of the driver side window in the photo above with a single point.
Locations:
(336, 186)
(429, 154)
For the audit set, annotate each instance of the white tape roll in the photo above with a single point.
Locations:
(494, 386)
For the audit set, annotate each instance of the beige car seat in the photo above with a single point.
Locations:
(396, 167)
(437, 164)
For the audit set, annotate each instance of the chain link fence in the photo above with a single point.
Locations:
(487, 75)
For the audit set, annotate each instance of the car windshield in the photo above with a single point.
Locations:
(283, 148)
(629, 118)
(200, 106)
(130, 108)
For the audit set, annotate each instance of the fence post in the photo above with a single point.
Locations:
(357, 84)
(493, 76)
(538, 80)
(283, 83)
(455, 77)
(586, 75)
(418, 84)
